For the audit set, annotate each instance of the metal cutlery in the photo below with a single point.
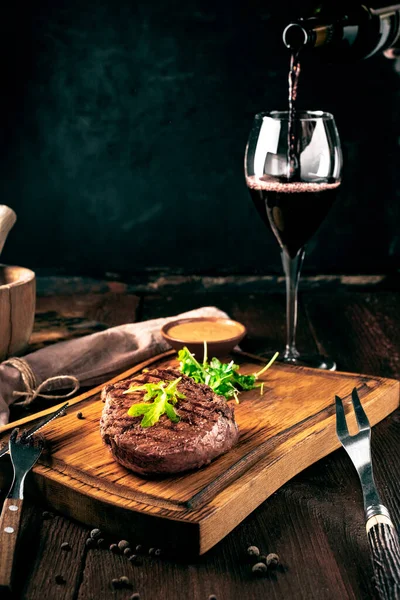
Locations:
(30, 432)
(382, 535)
(24, 454)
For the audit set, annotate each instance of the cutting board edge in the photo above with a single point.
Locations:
(114, 519)
(196, 502)
(203, 532)
(209, 525)
(204, 525)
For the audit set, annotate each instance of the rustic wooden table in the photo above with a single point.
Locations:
(315, 522)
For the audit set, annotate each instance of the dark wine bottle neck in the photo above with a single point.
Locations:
(308, 33)
(362, 33)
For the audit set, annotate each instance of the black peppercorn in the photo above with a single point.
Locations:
(90, 543)
(259, 568)
(114, 548)
(124, 580)
(122, 544)
(133, 558)
(152, 551)
(47, 515)
(115, 583)
(100, 542)
(95, 533)
(65, 546)
(253, 551)
(79, 415)
(139, 548)
(212, 597)
(60, 579)
(135, 596)
(158, 552)
(272, 560)
(127, 552)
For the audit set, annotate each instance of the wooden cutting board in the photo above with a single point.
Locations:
(283, 431)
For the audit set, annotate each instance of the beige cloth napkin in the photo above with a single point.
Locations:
(95, 358)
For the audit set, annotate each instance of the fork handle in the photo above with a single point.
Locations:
(385, 549)
(10, 520)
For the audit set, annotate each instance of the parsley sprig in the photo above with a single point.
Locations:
(163, 394)
(223, 378)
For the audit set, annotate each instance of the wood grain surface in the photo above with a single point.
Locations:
(315, 522)
(282, 431)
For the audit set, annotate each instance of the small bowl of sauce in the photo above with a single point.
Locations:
(221, 335)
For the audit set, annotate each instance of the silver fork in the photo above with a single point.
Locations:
(24, 454)
(382, 535)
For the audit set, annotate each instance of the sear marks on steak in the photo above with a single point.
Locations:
(206, 429)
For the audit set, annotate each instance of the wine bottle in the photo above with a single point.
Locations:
(346, 30)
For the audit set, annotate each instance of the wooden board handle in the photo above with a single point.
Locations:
(9, 528)
(385, 549)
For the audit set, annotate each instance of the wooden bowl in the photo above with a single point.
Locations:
(233, 333)
(17, 309)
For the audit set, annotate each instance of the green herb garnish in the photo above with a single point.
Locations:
(164, 396)
(223, 378)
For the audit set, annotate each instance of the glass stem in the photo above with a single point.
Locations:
(292, 268)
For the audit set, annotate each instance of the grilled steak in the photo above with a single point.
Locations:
(206, 428)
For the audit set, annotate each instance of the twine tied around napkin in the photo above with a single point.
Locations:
(33, 390)
(89, 360)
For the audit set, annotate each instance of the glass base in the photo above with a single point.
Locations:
(314, 361)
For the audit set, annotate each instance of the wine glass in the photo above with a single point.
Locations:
(293, 171)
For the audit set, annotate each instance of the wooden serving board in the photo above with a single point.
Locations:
(283, 431)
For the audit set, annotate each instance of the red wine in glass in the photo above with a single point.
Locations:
(293, 209)
(293, 167)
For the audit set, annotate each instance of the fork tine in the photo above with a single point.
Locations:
(24, 452)
(341, 424)
(361, 417)
(14, 434)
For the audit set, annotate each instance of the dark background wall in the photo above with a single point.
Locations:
(123, 128)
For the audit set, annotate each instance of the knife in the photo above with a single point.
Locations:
(30, 432)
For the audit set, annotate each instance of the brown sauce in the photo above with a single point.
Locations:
(210, 331)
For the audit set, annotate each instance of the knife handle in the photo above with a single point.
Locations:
(10, 520)
(385, 551)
